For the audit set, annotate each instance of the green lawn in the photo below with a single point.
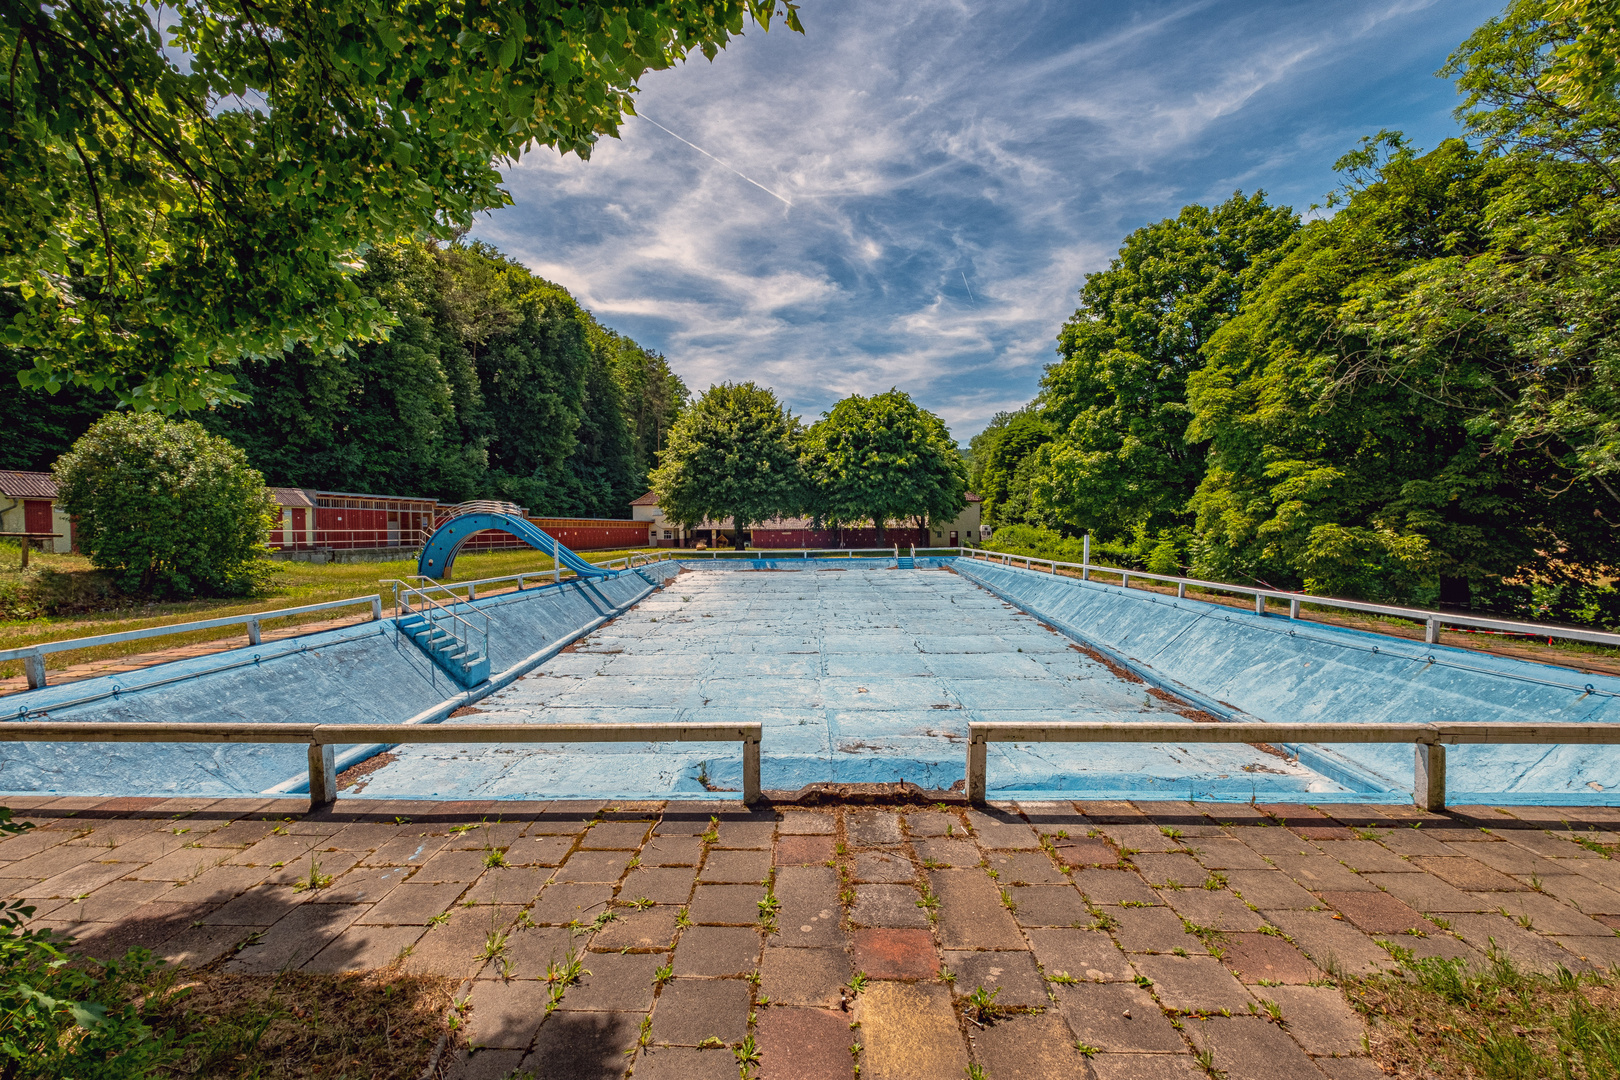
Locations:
(294, 584)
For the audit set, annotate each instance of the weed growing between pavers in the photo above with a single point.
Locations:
(1450, 1021)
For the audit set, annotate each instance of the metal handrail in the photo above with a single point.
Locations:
(1431, 619)
(321, 738)
(33, 656)
(438, 614)
(1430, 740)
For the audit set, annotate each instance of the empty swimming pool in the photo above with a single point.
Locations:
(858, 675)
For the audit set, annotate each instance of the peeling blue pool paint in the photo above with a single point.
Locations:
(860, 672)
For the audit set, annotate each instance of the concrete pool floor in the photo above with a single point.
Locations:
(863, 675)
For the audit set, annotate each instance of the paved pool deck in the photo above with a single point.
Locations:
(862, 675)
(1144, 932)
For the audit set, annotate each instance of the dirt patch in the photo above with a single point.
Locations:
(467, 710)
(382, 1025)
(355, 775)
(1121, 673)
(902, 793)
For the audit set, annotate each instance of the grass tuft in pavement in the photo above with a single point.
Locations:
(1440, 1018)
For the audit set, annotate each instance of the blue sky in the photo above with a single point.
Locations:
(910, 195)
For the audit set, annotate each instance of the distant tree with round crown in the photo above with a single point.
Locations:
(883, 459)
(734, 454)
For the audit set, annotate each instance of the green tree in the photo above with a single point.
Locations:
(651, 394)
(186, 184)
(1117, 398)
(882, 459)
(1008, 455)
(165, 506)
(733, 454)
(1328, 469)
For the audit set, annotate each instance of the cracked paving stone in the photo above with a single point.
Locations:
(1013, 974)
(1318, 1018)
(1029, 1048)
(653, 928)
(810, 910)
(717, 950)
(615, 982)
(875, 829)
(691, 1010)
(888, 906)
(909, 1032)
(805, 1044)
(1253, 957)
(1192, 983)
(809, 977)
(970, 912)
(1080, 954)
(882, 867)
(1049, 905)
(736, 867)
(1249, 1048)
(1117, 1016)
(731, 904)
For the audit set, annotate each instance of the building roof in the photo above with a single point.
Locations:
(27, 485)
(292, 496)
(648, 499)
(974, 498)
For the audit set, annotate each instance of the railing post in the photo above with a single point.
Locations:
(1259, 603)
(322, 774)
(1181, 590)
(472, 592)
(376, 608)
(1293, 609)
(556, 563)
(1085, 558)
(34, 666)
(1431, 631)
(1125, 579)
(1429, 777)
(750, 790)
(253, 631)
(975, 767)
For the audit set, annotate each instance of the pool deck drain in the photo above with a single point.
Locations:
(1076, 914)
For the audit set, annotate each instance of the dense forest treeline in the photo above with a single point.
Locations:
(492, 383)
(1414, 397)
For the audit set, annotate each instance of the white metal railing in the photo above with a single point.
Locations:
(322, 738)
(1432, 620)
(441, 616)
(33, 656)
(1430, 741)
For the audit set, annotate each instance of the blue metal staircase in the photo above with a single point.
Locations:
(459, 655)
(905, 562)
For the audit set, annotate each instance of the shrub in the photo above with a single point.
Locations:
(166, 507)
(70, 1017)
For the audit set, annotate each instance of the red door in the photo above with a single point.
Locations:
(298, 523)
(953, 539)
(37, 515)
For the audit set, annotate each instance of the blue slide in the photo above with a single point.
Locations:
(439, 553)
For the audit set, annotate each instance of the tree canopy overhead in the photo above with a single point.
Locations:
(186, 184)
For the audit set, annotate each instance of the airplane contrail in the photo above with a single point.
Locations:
(712, 158)
(968, 287)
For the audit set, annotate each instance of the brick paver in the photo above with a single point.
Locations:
(1119, 940)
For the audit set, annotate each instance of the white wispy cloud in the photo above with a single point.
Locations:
(813, 212)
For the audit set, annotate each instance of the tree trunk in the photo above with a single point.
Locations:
(1454, 592)
(879, 522)
(737, 534)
